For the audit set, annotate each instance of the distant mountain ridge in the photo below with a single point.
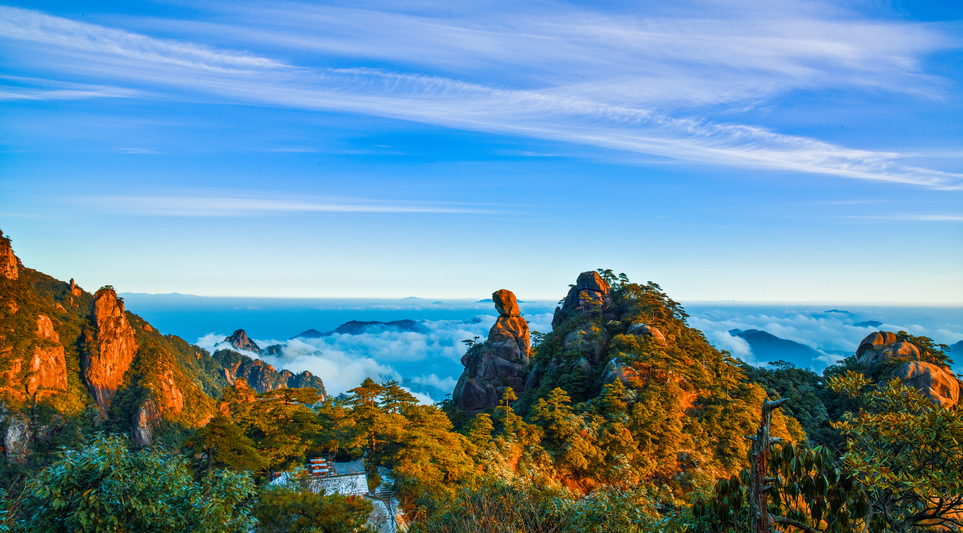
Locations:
(359, 327)
(767, 347)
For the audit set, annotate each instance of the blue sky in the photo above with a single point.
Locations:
(731, 150)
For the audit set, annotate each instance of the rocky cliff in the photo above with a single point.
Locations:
(9, 265)
(499, 362)
(70, 351)
(47, 373)
(105, 363)
(885, 354)
(261, 376)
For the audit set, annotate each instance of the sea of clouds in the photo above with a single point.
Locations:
(834, 332)
(427, 362)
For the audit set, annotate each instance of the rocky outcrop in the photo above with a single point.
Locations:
(938, 384)
(874, 340)
(590, 292)
(75, 289)
(9, 265)
(498, 363)
(16, 441)
(883, 346)
(47, 372)
(589, 341)
(302, 380)
(505, 303)
(168, 396)
(240, 341)
(103, 371)
(145, 419)
(261, 376)
(642, 329)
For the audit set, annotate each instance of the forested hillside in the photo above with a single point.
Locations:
(622, 418)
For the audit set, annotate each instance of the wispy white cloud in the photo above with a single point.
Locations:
(636, 84)
(25, 88)
(911, 217)
(196, 206)
(34, 26)
(445, 384)
(7, 93)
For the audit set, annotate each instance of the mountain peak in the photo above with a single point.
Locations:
(240, 341)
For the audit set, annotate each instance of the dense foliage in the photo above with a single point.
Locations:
(297, 509)
(105, 487)
(615, 431)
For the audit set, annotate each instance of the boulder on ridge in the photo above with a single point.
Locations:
(590, 292)
(499, 362)
(505, 303)
(939, 384)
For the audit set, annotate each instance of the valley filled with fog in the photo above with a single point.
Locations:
(426, 357)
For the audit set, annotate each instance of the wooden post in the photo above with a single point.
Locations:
(759, 519)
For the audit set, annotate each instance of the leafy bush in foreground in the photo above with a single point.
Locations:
(105, 487)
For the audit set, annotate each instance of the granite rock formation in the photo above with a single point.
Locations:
(75, 289)
(938, 384)
(240, 341)
(499, 362)
(9, 264)
(261, 376)
(145, 419)
(644, 330)
(590, 292)
(47, 372)
(55, 336)
(16, 441)
(882, 346)
(588, 340)
(103, 371)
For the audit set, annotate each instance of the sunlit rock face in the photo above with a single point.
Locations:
(882, 346)
(937, 384)
(590, 292)
(644, 330)
(505, 303)
(104, 371)
(47, 372)
(9, 267)
(498, 363)
(940, 385)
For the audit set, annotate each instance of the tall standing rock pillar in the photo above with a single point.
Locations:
(104, 371)
(498, 363)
